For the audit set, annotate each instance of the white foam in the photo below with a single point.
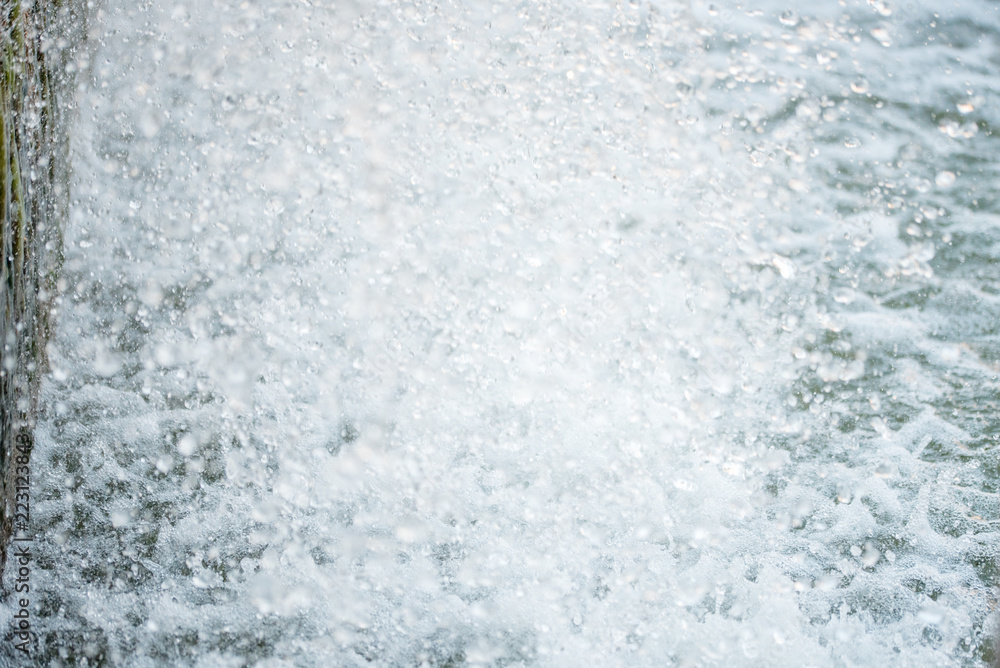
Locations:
(504, 337)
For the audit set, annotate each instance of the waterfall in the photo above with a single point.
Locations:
(465, 333)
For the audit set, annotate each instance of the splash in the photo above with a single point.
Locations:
(561, 334)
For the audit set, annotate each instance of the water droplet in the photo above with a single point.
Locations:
(826, 57)
(411, 530)
(843, 295)
(784, 266)
(852, 142)
(844, 494)
(164, 464)
(187, 445)
(789, 18)
(870, 556)
(150, 294)
(120, 518)
(884, 470)
(880, 7)
(755, 114)
(150, 123)
(164, 355)
(944, 179)
(106, 363)
(882, 36)
(931, 614)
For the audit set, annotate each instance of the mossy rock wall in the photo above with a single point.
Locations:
(38, 43)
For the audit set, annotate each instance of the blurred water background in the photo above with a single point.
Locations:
(526, 334)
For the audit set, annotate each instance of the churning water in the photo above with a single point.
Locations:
(526, 334)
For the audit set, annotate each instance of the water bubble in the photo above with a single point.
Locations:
(885, 470)
(870, 556)
(881, 35)
(931, 614)
(411, 530)
(150, 123)
(944, 179)
(789, 322)
(187, 445)
(798, 185)
(151, 295)
(843, 295)
(955, 130)
(860, 86)
(881, 7)
(755, 114)
(106, 363)
(120, 518)
(164, 464)
(164, 355)
(844, 495)
(785, 266)
(852, 142)
(789, 18)
(826, 57)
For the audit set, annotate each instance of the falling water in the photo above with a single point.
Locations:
(536, 334)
